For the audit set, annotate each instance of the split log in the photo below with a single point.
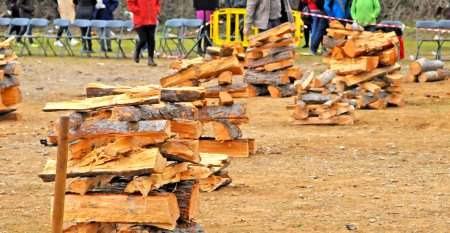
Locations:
(146, 184)
(314, 98)
(394, 79)
(150, 97)
(153, 112)
(354, 66)
(226, 78)
(337, 53)
(388, 57)
(159, 210)
(398, 89)
(257, 90)
(181, 150)
(185, 94)
(335, 110)
(223, 51)
(272, 51)
(188, 198)
(235, 90)
(186, 63)
(214, 182)
(336, 24)
(138, 162)
(279, 65)
(330, 42)
(424, 65)
(375, 89)
(271, 59)
(395, 100)
(270, 78)
(281, 91)
(281, 29)
(430, 76)
(83, 184)
(188, 129)
(95, 128)
(225, 131)
(380, 72)
(98, 90)
(363, 44)
(10, 96)
(300, 112)
(234, 149)
(293, 73)
(336, 120)
(225, 98)
(325, 78)
(9, 81)
(303, 84)
(379, 104)
(204, 71)
(235, 113)
(411, 78)
(11, 68)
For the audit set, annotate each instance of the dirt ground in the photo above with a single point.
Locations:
(388, 173)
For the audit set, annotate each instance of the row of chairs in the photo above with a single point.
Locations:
(431, 36)
(37, 29)
(177, 31)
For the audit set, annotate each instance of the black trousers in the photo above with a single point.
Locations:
(271, 24)
(87, 43)
(146, 35)
(61, 31)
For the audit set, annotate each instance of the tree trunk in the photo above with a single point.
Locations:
(431, 76)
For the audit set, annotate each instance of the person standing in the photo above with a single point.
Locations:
(365, 12)
(13, 10)
(205, 16)
(319, 26)
(145, 18)
(303, 5)
(61, 30)
(26, 9)
(84, 9)
(266, 14)
(105, 12)
(338, 8)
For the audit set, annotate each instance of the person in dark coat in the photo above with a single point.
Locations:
(26, 9)
(84, 9)
(302, 4)
(145, 18)
(13, 8)
(105, 12)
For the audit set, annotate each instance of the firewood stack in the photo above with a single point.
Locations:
(134, 160)
(214, 52)
(321, 101)
(270, 61)
(366, 65)
(10, 94)
(222, 111)
(424, 70)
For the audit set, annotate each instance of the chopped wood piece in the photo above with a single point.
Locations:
(424, 65)
(337, 53)
(366, 44)
(325, 78)
(378, 104)
(279, 65)
(304, 82)
(237, 111)
(94, 227)
(431, 76)
(270, 78)
(281, 29)
(9, 81)
(188, 198)
(271, 59)
(300, 112)
(181, 150)
(411, 78)
(83, 184)
(225, 131)
(273, 51)
(225, 98)
(186, 63)
(10, 116)
(235, 90)
(153, 112)
(355, 79)
(214, 182)
(354, 66)
(226, 78)
(293, 73)
(188, 129)
(375, 89)
(159, 210)
(11, 68)
(257, 90)
(394, 79)
(281, 91)
(395, 99)
(336, 24)
(234, 149)
(184, 94)
(10, 96)
(284, 42)
(146, 184)
(336, 120)
(139, 162)
(388, 57)
(204, 71)
(150, 96)
(314, 98)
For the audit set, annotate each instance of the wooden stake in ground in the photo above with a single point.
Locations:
(61, 173)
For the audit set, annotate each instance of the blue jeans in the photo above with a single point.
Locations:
(319, 27)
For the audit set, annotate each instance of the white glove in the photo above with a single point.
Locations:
(9, 12)
(355, 25)
(100, 4)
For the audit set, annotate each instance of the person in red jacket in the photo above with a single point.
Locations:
(145, 18)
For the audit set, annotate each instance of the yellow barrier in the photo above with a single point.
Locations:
(221, 28)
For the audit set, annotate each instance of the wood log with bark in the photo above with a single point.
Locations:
(279, 30)
(257, 90)
(270, 78)
(359, 45)
(423, 65)
(281, 91)
(235, 90)
(225, 131)
(234, 149)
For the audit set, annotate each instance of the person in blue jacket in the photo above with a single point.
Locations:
(105, 12)
(338, 8)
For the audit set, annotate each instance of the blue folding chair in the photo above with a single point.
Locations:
(4, 25)
(424, 36)
(125, 35)
(443, 37)
(19, 22)
(100, 26)
(83, 24)
(116, 27)
(64, 38)
(39, 34)
(173, 28)
(191, 31)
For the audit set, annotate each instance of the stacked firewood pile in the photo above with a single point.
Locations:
(270, 62)
(321, 101)
(222, 111)
(10, 94)
(366, 65)
(134, 159)
(424, 70)
(213, 52)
